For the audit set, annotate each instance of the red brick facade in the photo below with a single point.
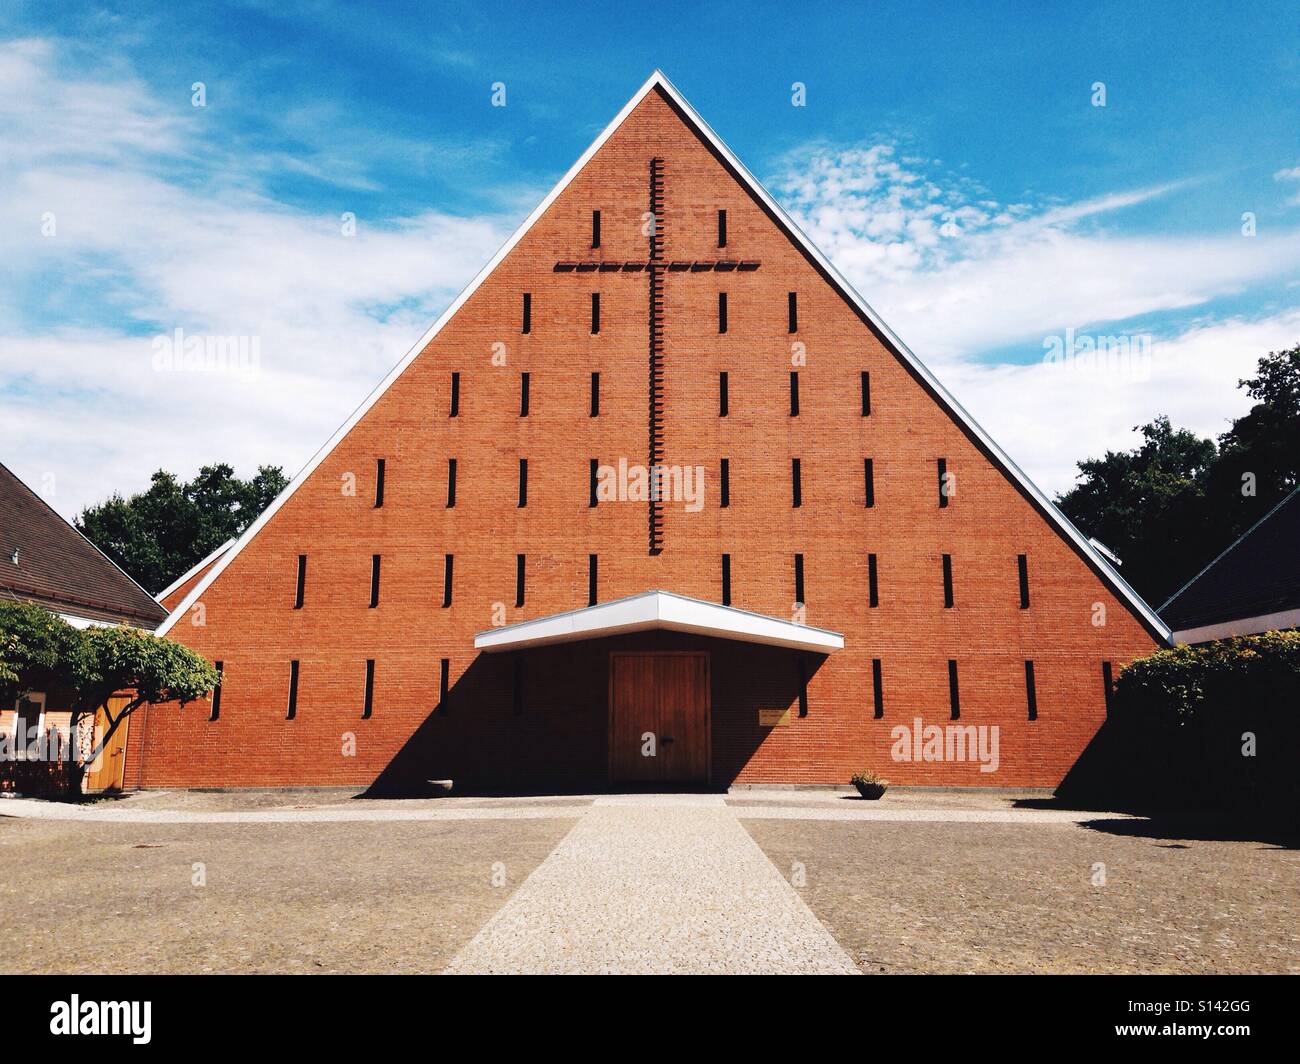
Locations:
(555, 734)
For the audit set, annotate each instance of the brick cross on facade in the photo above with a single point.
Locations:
(655, 267)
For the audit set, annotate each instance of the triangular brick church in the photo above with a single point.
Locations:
(659, 501)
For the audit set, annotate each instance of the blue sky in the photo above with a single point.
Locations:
(1122, 220)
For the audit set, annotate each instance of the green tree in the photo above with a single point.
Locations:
(1259, 457)
(154, 670)
(35, 647)
(1147, 505)
(158, 534)
(39, 650)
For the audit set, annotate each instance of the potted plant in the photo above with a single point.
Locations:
(870, 785)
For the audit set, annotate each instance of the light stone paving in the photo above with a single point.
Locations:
(655, 884)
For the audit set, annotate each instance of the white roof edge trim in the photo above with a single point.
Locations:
(658, 79)
(303, 474)
(658, 610)
(197, 567)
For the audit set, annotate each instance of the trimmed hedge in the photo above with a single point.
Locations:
(1214, 725)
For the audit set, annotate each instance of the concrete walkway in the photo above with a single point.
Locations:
(648, 884)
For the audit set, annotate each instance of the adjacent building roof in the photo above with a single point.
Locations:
(658, 610)
(657, 82)
(1253, 586)
(43, 559)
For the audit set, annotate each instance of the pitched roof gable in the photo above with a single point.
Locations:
(657, 82)
(58, 567)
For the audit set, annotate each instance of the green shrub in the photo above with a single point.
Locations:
(1210, 725)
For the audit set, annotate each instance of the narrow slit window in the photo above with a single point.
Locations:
(527, 326)
(595, 395)
(524, 380)
(873, 589)
(877, 690)
(947, 581)
(722, 312)
(722, 394)
(523, 482)
(794, 393)
(519, 580)
(368, 702)
(595, 313)
(216, 691)
(444, 684)
(292, 709)
(517, 694)
(954, 695)
(869, 483)
(722, 228)
(726, 579)
(379, 483)
(374, 581)
(595, 229)
(1107, 683)
(593, 570)
(447, 563)
(798, 578)
(302, 582)
(455, 396)
(792, 310)
(451, 483)
(803, 685)
(1031, 691)
(866, 394)
(796, 483)
(1022, 566)
(941, 466)
(593, 479)
(724, 483)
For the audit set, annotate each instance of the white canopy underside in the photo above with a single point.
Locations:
(659, 610)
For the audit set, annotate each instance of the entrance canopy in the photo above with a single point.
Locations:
(652, 610)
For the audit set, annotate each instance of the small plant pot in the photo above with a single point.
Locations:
(870, 791)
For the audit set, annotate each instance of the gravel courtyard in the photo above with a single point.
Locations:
(319, 882)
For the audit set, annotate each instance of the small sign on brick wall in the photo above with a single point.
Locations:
(773, 718)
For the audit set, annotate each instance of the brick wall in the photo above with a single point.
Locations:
(252, 627)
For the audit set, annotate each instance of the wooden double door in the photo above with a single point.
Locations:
(659, 717)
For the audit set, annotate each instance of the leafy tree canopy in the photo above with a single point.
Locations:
(39, 650)
(1171, 504)
(35, 646)
(160, 533)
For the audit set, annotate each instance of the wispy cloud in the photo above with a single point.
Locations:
(978, 288)
(113, 204)
(958, 273)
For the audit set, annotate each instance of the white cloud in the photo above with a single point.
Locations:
(1047, 417)
(165, 238)
(956, 273)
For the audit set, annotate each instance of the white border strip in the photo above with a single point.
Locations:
(658, 80)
